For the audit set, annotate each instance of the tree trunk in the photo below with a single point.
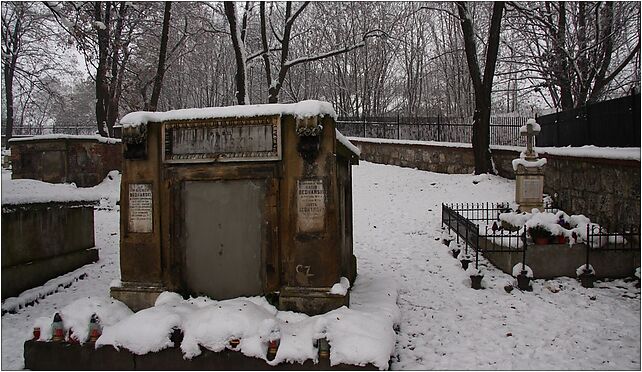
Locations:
(102, 88)
(482, 87)
(160, 71)
(8, 86)
(239, 53)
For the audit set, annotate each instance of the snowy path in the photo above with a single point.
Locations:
(445, 323)
(448, 325)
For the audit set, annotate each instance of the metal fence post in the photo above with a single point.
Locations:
(439, 127)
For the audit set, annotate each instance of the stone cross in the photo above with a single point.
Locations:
(530, 134)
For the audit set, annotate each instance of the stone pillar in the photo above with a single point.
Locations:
(529, 172)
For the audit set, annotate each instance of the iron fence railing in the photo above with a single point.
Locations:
(503, 130)
(477, 225)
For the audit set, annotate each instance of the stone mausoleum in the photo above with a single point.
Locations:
(63, 158)
(237, 201)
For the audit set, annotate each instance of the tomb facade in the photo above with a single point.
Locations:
(237, 201)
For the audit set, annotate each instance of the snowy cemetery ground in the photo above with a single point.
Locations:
(444, 324)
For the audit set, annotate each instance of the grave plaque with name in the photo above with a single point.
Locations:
(140, 208)
(222, 140)
(532, 188)
(310, 205)
(237, 201)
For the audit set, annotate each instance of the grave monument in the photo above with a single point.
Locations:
(529, 172)
(237, 201)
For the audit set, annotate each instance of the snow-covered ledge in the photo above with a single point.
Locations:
(301, 109)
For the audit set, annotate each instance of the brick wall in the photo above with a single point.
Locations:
(605, 190)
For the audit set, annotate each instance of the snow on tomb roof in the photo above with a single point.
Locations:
(300, 110)
(346, 142)
(41, 137)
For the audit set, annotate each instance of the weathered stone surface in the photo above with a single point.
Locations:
(555, 260)
(63, 356)
(84, 162)
(301, 220)
(43, 241)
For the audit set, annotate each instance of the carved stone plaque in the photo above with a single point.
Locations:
(140, 208)
(225, 139)
(532, 188)
(310, 206)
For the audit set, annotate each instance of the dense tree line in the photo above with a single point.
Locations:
(367, 58)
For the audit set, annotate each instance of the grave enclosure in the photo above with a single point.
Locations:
(237, 201)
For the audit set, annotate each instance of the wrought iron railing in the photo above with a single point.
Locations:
(478, 227)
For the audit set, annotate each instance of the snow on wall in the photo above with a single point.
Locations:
(341, 138)
(299, 110)
(96, 137)
(623, 153)
(27, 191)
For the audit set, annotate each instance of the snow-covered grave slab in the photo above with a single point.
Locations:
(551, 242)
(48, 230)
(358, 336)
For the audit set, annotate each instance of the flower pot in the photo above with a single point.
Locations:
(455, 252)
(475, 281)
(587, 280)
(541, 241)
(464, 263)
(524, 282)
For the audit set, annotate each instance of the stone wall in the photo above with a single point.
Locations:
(82, 160)
(605, 190)
(42, 241)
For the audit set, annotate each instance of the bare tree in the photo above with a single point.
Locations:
(577, 51)
(103, 32)
(483, 85)
(162, 54)
(32, 62)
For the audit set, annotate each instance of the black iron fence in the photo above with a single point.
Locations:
(478, 226)
(503, 130)
(614, 123)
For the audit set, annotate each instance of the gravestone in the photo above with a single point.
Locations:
(529, 172)
(237, 201)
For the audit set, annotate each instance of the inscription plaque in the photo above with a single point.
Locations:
(532, 188)
(310, 205)
(229, 139)
(140, 207)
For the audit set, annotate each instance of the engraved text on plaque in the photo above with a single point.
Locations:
(310, 205)
(140, 207)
